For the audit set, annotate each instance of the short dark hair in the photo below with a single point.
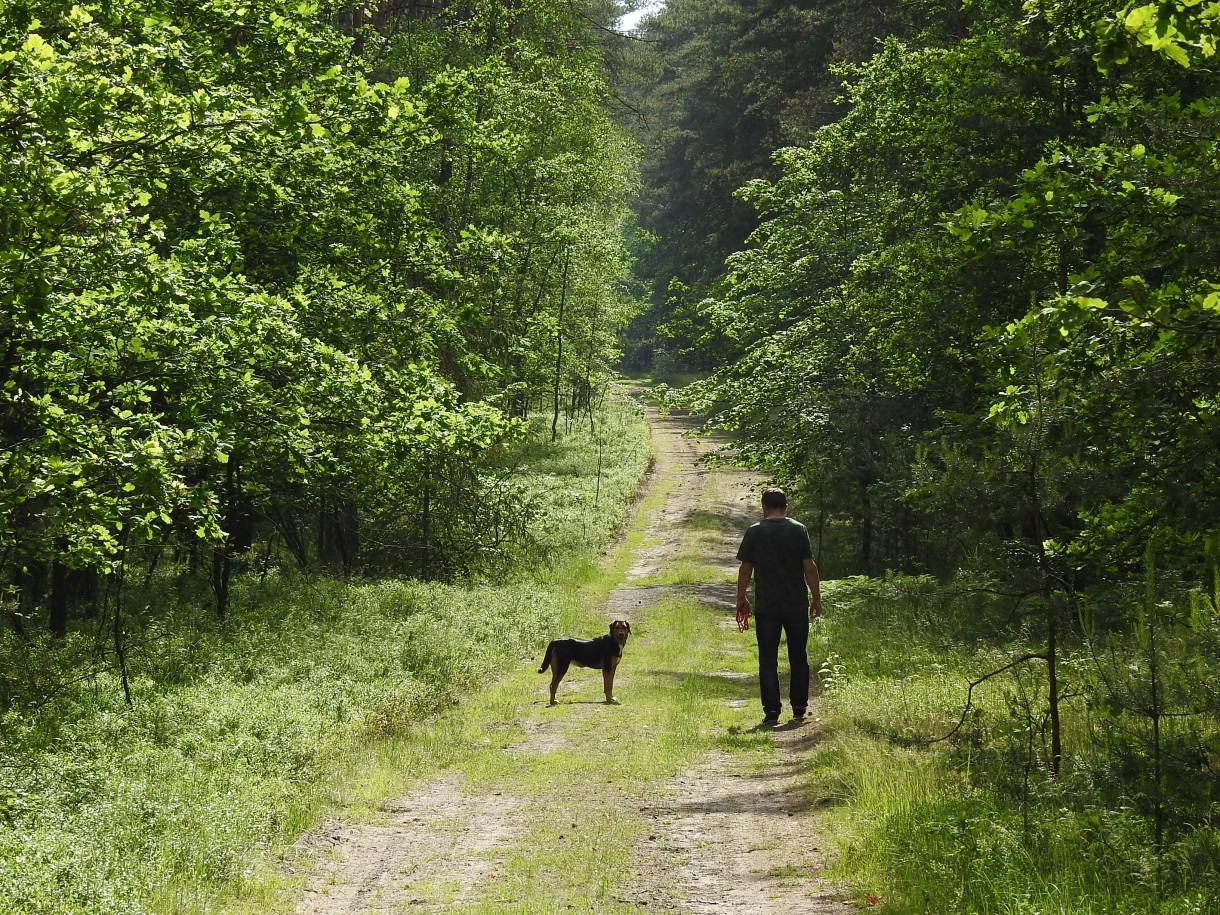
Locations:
(774, 498)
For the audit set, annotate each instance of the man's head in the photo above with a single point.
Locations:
(775, 501)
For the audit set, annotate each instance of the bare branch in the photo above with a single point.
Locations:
(983, 679)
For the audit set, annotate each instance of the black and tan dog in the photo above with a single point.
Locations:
(602, 653)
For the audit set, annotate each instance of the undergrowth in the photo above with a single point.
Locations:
(236, 728)
(941, 806)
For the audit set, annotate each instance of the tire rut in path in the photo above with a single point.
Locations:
(437, 844)
(723, 840)
(727, 842)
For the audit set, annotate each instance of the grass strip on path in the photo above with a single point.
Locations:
(585, 772)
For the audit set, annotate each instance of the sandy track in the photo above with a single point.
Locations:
(725, 841)
(721, 839)
(437, 844)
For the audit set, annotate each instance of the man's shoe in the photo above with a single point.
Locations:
(770, 721)
(798, 714)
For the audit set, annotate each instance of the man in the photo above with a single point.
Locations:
(787, 595)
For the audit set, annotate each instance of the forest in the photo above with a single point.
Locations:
(949, 270)
(294, 296)
(311, 315)
(287, 274)
(969, 299)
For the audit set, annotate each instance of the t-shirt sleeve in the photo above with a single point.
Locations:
(745, 552)
(806, 548)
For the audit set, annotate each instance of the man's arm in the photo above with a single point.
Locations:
(815, 588)
(744, 574)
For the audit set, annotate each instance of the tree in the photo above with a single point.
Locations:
(275, 274)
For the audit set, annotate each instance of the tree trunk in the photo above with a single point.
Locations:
(1052, 623)
(563, 299)
(222, 568)
(58, 602)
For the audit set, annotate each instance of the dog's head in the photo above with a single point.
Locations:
(619, 630)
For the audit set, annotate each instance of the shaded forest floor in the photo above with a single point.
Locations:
(674, 801)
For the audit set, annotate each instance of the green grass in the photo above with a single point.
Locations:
(306, 698)
(686, 570)
(578, 482)
(321, 698)
(674, 712)
(158, 807)
(974, 824)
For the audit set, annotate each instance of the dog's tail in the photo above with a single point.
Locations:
(546, 658)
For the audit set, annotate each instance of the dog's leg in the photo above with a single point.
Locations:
(559, 667)
(608, 681)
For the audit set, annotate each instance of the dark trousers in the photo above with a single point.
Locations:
(767, 630)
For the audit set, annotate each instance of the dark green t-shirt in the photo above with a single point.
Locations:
(777, 548)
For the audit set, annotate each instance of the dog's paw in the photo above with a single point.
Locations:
(613, 701)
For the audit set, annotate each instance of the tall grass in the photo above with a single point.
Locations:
(582, 482)
(239, 730)
(937, 811)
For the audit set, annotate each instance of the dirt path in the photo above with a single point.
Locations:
(722, 837)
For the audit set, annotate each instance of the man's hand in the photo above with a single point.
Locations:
(743, 615)
(815, 607)
(814, 581)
